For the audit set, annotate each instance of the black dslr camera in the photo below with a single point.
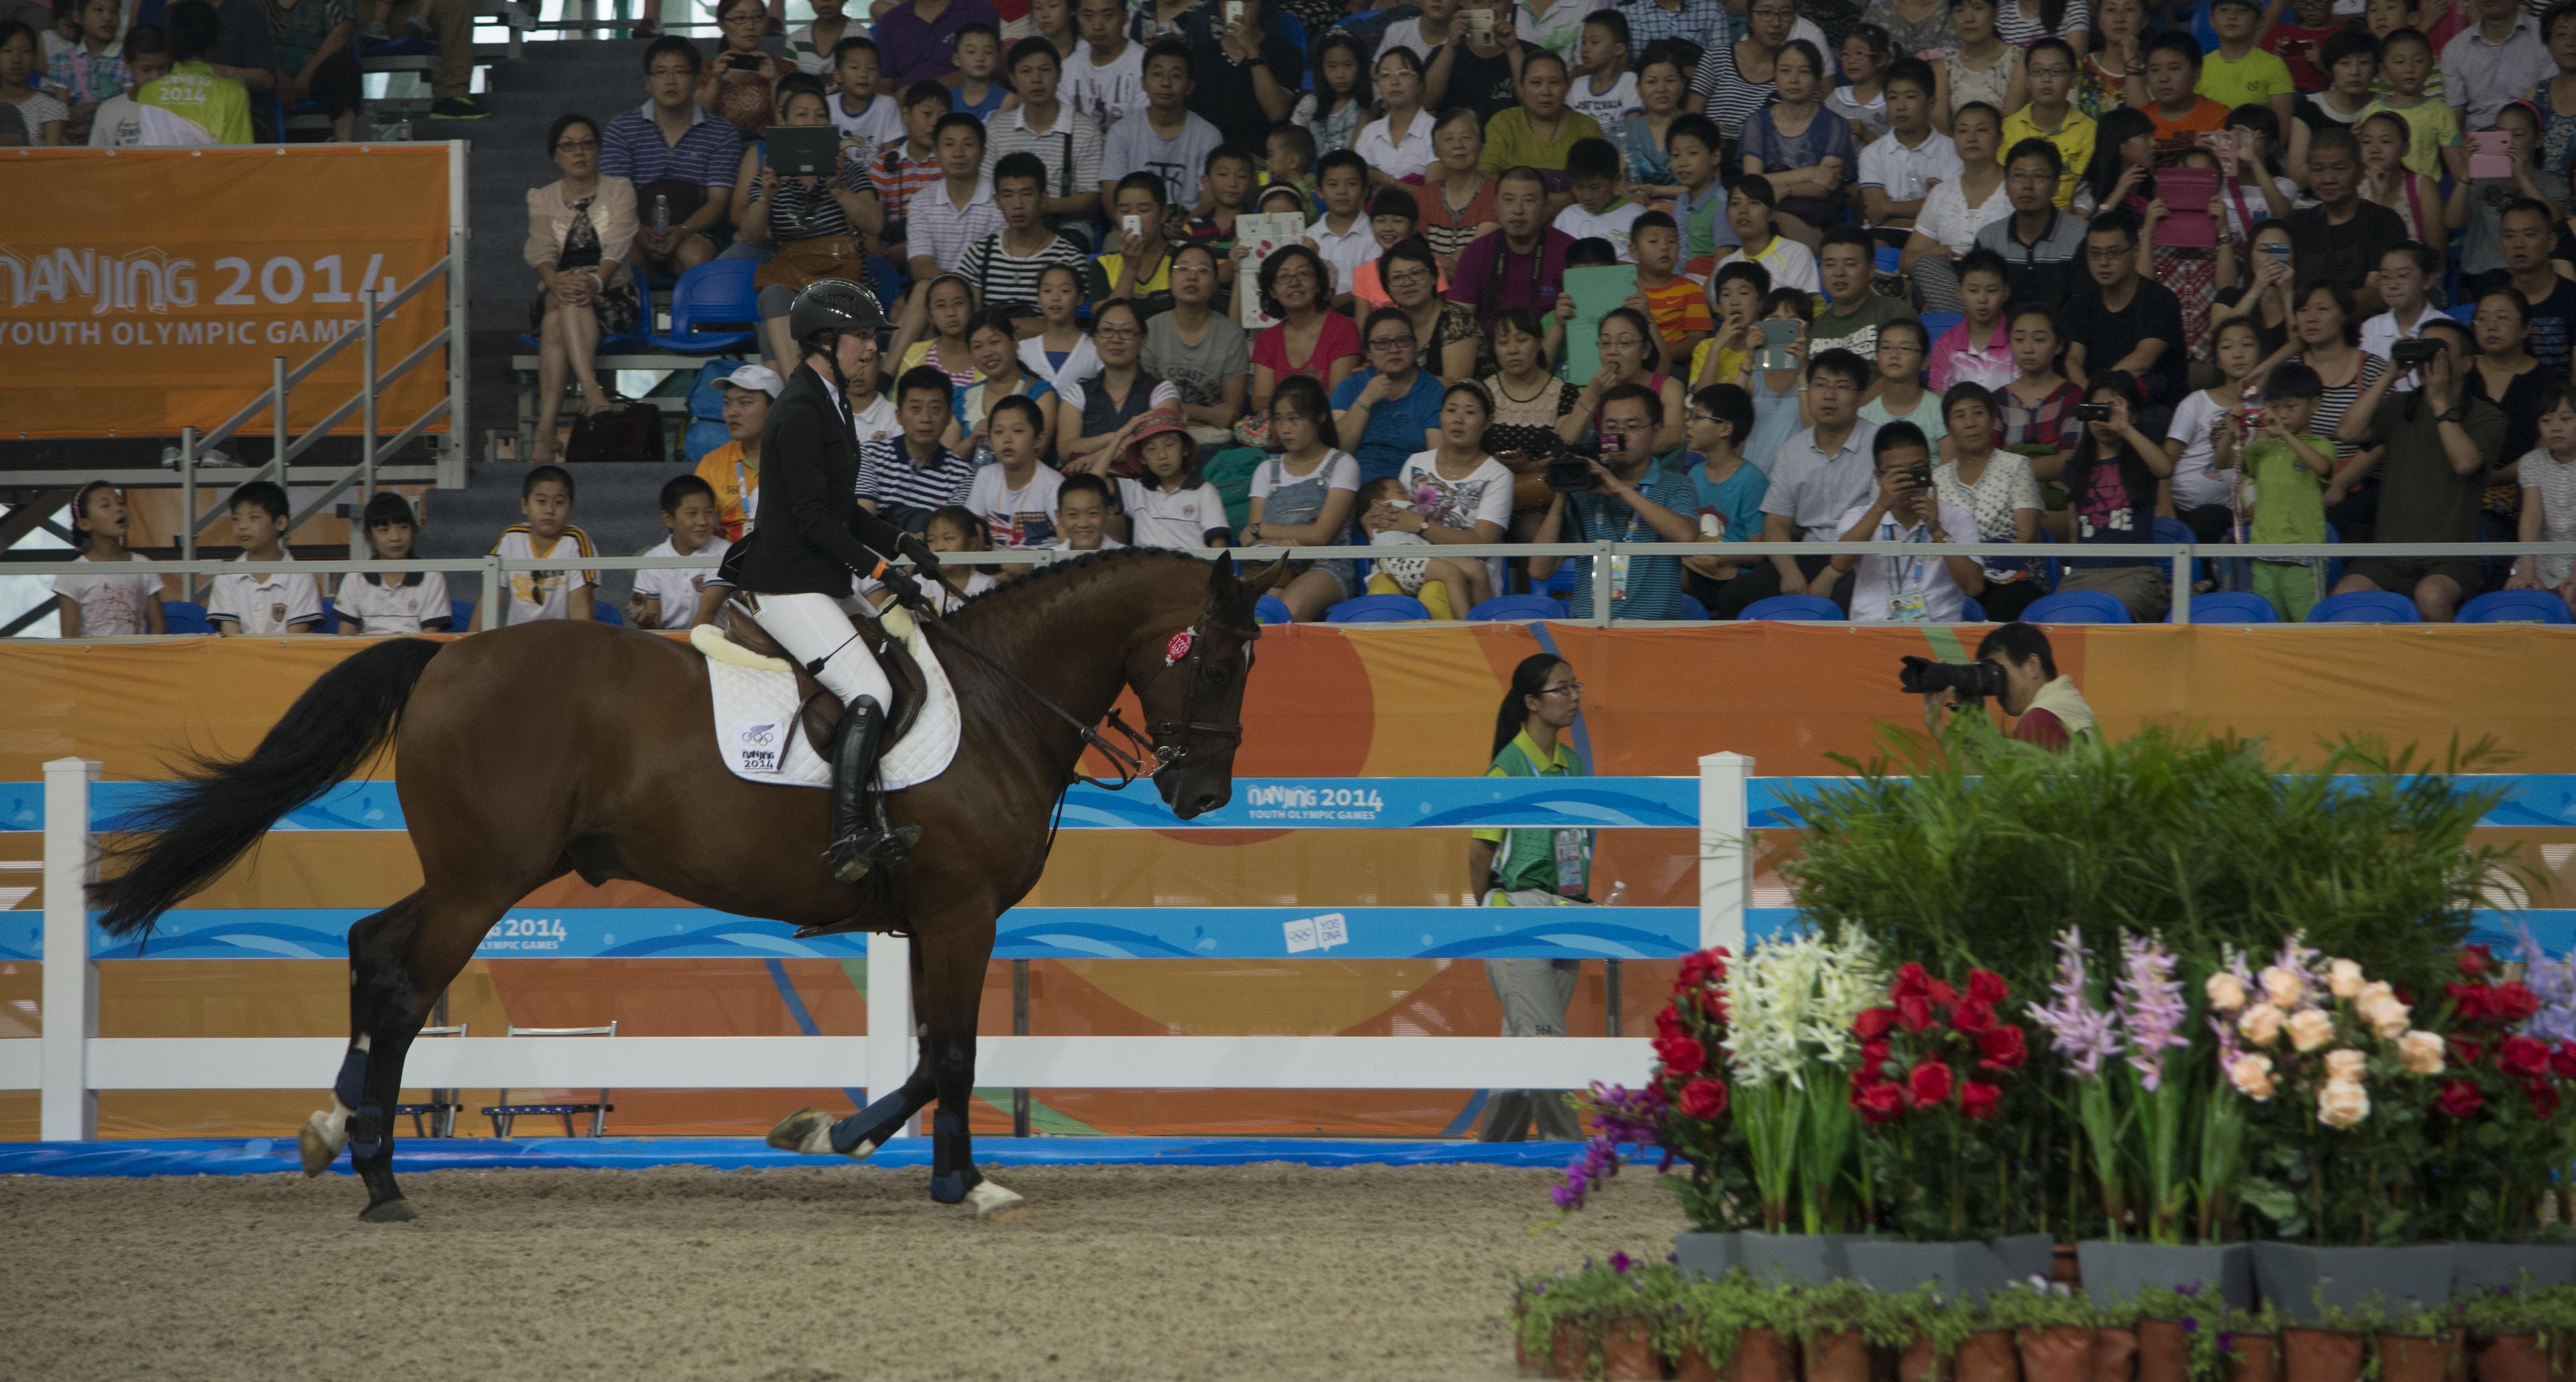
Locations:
(1967, 681)
(1570, 472)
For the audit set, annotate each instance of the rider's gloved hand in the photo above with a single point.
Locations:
(907, 591)
(923, 559)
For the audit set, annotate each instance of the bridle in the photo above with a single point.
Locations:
(1163, 743)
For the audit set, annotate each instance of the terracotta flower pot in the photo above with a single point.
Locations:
(1761, 1355)
(2058, 1353)
(1572, 1343)
(2406, 1358)
(2164, 1351)
(1988, 1356)
(2318, 1355)
(1627, 1354)
(2115, 1354)
(2256, 1358)
(2509, 1358)
(1691, 1365)
(1840, 1357)
(1922, 1362)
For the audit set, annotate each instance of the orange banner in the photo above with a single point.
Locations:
(148, 290)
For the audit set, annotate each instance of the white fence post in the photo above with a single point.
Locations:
(68, 1111)
(893, 1040)
(1725, 849)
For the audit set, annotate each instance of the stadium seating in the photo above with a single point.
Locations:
(1272, 610)
(1938, 324)
(715, 295)
(2232, 607)
(2365, 607)
(1513, 607)
(1792, 607)
(2076, 607)
(2517, 607)
(606, 612)
(462, 613)
(184, 616)
(1378, 609)
(1970, 612)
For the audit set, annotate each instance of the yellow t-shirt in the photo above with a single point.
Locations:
(2251, 80)
(2433, 124)
(728, 472)
(2074, 141)
(192, 91)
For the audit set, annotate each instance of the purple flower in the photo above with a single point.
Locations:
(2080, 1032)
(2226, 1342)
(2554, 983)
(1620, 1262)
(2189, 1290)
(2152, 1007)
(2191, 1324)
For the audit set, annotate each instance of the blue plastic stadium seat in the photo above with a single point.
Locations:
(1970, 612)
(1272, 610)
(2232, 607)
(2076, 607)
(184, 616)
(2517, 607)
(1887, 258)
(1938, 324)
(1560, 583)
(1378, 609)
(603, 612)
(2365, 607)
(2462, 312)
(460, 614)
(328, 624)
(1510, 607)
(714, 308)
(1693, 609)
(1791, 607)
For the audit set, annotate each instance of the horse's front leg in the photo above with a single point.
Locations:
(952, 995)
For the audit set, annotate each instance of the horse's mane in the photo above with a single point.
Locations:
(1041, 580)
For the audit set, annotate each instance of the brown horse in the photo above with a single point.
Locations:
(508, 782)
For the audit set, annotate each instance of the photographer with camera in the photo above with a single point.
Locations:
(2014, 666)
(2431, 448)
(1604, 497)
(1908, 590)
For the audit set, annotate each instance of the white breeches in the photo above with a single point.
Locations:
(812, 626)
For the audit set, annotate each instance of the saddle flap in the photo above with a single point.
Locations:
(822, 711)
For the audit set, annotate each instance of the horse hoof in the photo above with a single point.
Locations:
(316, 1145)
(805, 1131)
(994, 1204)
(394, 1211)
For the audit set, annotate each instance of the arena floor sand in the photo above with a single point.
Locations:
(1143, 1272)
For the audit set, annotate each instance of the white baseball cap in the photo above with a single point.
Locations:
(760, 377)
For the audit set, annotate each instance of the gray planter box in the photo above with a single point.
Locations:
(2025, 1255)
(1962, 1271)
(1711, 1255)
(2116, 1272)
(2293, 1278)
(1796, 1259)
(2512, 1266)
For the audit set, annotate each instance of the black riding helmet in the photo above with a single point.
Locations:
(833, 304)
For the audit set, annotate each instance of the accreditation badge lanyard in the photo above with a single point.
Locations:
(1619, 561)
(743, 492)
(1905, 604)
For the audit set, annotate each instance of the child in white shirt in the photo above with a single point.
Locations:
(545, 497)
(286, 602)
(1082, 515)
(412, 602)
(1171, 506)
(105, 605)
(675, 597)
(1015, 496)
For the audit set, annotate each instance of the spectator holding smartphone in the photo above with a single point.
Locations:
(1907, 508)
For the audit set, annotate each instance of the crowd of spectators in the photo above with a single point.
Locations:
(2104, 264)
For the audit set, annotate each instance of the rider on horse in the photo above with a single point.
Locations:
(812, 534)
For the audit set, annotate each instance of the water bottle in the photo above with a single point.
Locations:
(661, 211)
(1618, 890)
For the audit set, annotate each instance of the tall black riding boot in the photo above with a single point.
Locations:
(861, 836)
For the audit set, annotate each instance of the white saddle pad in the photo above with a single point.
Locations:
(756, 723)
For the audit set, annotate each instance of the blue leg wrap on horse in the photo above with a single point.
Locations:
(366, 1122)
(948, 1186)
(877, 1117)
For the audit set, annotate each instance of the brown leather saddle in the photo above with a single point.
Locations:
(820, 710)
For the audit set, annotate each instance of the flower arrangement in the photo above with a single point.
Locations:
(2499, 1112)
(1932, 1058)
(1793, 1004)
(2135, 1109)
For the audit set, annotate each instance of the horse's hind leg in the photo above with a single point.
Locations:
(858, 1136)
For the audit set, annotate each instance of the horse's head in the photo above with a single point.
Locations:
(1192, 691)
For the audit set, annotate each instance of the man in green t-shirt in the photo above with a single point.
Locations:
(1846, 265)
(1532, 868)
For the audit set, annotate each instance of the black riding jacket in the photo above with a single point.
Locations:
(811, 533)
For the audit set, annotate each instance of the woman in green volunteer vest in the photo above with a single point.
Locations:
(1532, 868)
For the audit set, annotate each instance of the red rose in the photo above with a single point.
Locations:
(2476, 959)
(1668, 1023)
(2459, 1099)
(1911, 982)
(1681, 1055)
(1978, 1101)
(2002, 1048)
(1873, 1059)
(1973, 1017)
(1712, 1005)
(1914, 1012)
(2468, 1001)
(1881, 1102)
(2510, 1004)
(1927, 1084)
(2543, 1096)
(1704, 1099)
(1942, 993)
(2465, 1052)
(1987, 987)
(2562, 1062)
(1700, 966)
(1873, 1023)
(2522, 1057)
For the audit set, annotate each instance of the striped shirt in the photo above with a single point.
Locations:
(2021, 31)
(899, 178)
(1702, 22)
(806, 213)
(1731, 99)
(1005, 280)
(890, 479)
(1070, 151)
(632, 147)
(935, 228)
(1640, 587)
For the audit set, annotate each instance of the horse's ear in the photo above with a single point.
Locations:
(1221, 580)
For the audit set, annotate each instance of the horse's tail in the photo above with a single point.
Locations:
(223, 807)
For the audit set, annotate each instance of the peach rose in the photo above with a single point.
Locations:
(2347, 1065)
(2342, 1103)
(2252, 1076)
(2421, 1052)
(2226, 992)
(2261, 1024)
(2310, 1030)
(2344, 978)
(2387, 1017)
(2283, 987)
(2374, 990)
